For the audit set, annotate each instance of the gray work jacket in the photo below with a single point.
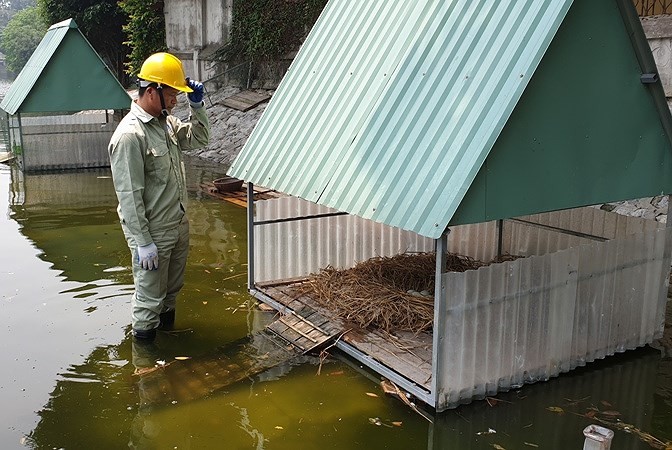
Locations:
(148, 171)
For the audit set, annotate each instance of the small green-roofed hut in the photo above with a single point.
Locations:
(58, 108)
(482, 128)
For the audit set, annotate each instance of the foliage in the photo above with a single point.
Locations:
(100, 21)
(20, 38)
(9, 8)
(264, 30)
(145, 31)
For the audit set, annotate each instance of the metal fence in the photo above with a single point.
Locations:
(653, 7)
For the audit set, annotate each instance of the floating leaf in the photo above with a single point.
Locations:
(529, 444)
(605, 403)
(206, 271)
(182, 358)
(498, 447)
(490, 431)
(205, 303)
(397, 424)
(278, 427)
(338, 372)
(611, 413)
(556, 409)
(371, 394)
(590, 414)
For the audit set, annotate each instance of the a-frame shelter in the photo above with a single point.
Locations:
(482, 127)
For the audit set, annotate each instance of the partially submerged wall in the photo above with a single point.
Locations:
(583, 284)
(531, 319)
(66, 142)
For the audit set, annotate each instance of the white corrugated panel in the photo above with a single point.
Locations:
(391, 106)
(301, 247)
(530, 319)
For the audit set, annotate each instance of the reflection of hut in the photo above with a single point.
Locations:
(58, 106)
(474, 128)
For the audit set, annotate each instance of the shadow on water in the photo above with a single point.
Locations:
(201, 388)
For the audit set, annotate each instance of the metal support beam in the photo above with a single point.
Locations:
(500, 234)
(440, 317)
(250, 236)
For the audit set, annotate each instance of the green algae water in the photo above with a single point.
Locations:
(72, 378)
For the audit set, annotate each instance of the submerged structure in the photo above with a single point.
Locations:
(481, 128)
(59, 110)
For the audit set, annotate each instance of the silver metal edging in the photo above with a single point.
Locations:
(269, 301)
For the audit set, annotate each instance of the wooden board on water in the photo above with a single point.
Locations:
(238, 197)
(184, 380)
(245, 100)
(304, 330)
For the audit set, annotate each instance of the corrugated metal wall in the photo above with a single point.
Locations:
(591, 283)
(530, 319)
(299, 248)
(66, 142)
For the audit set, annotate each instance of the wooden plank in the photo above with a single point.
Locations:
(280, 284)
(245, 100)
(5, 156)
(239, 197)
(296, 327)
(285, 332)
(410, 366)
(406, 353)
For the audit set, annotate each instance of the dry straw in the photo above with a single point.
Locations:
(385, 292)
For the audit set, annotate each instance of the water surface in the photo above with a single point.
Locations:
(68, 378)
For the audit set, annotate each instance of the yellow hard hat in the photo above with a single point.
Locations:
(164, 68)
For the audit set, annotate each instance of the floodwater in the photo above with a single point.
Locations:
(69, 366)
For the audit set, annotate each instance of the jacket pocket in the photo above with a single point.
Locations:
(158, 160)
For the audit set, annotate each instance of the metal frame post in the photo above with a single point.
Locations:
(250, 236)
(440, 307)
(500, 237)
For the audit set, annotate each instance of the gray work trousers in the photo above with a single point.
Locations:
(156, 290)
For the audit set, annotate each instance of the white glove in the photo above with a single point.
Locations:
(148, 256)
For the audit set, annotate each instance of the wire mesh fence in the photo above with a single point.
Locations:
(653, 7)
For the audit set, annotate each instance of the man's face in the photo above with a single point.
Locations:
(169, 97)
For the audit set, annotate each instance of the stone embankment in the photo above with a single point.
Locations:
(230, 128)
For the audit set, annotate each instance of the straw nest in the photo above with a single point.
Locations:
(389, 293)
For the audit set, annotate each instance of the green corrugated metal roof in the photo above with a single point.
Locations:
(64, 73)
(391, 107)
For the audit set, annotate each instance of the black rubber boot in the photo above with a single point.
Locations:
(167, 320)
(144, 335)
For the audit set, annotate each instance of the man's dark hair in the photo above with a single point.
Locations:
(143, 89)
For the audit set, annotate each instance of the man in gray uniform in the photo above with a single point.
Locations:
(149, 179)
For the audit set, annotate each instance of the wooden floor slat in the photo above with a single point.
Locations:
(406, 353)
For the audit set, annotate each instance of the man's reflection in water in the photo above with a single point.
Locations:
(259, 356)
(147, 362)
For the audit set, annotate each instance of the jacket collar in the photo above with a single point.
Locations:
(140, 113)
